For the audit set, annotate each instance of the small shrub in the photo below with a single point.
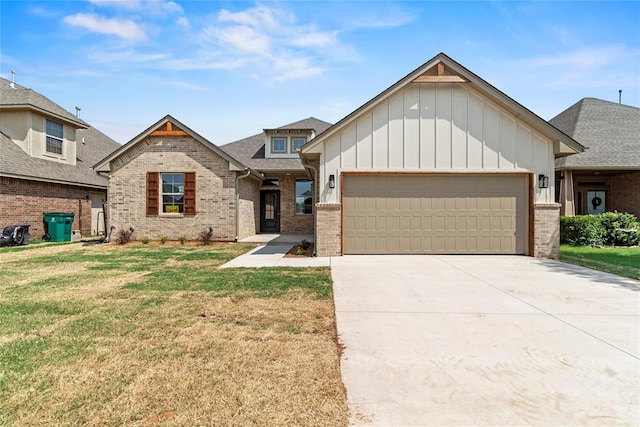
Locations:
(305, 244)
(621, 229)
(124, 236)
(206, 237)
(144, 240)
(163, 239)
(182, 239)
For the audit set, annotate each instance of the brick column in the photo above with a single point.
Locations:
(546, 230)
(328, 231)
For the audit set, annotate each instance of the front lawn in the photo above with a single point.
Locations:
(156, 335)
(621, 261)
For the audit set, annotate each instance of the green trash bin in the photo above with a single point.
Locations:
(57, 226)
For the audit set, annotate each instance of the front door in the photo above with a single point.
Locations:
(270, 211)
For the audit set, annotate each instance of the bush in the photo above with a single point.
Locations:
(182, 239)
(206, 236)
(144, 240)
(581, 230)
(163, 239)
(610, 228)
(124, 236)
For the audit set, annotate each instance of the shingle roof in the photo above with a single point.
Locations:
(251, 150)
(19, 97)
(91, 144)
(610, 131)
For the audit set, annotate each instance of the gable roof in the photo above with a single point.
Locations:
(104, 165)
(90, 144)
(456, 73)
(610, 131)
(16, 97)
(251, 150)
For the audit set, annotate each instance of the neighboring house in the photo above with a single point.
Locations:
(46, 159)
(440, 162)
(606, 176)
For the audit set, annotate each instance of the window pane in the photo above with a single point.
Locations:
(297, 143)
(54, 129)
(54, 145)
(304, 196)
(278, 145)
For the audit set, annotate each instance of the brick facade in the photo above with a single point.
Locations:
(546, 230)
(24, 201)
(625, 193)
(215, 190)
(329, 234)
(290, 222)
(249, 220)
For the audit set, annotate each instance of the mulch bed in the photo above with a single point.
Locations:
(298, 252)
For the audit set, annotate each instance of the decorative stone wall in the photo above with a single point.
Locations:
(328, 235)
(24, 201)
(546, 230)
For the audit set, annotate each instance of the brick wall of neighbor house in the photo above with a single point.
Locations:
(215, 190)
(546, 230)
(290, 222)
(24, 201)
(328, 233)
(625, 193)
(249, 221)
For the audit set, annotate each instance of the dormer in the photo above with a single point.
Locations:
(283, 143)
(37, 125)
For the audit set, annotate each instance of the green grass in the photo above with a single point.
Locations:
(620, 261)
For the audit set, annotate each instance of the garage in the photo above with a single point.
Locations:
(435, 213)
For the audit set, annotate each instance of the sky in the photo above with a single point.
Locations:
(229, 69)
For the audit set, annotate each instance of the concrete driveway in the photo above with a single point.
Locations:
(486, 340)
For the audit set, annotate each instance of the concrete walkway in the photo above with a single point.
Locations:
(272, 253)
(486, 340)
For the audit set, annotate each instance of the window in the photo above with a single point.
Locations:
(171, 193)
(296, 143)
(271, 182)
(278, 145)
(304, 197)
(54, 136)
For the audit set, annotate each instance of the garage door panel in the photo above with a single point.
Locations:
(435, 213)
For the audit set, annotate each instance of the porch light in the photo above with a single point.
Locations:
(543, 181)
(332, 181)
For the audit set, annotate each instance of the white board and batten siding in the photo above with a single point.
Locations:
(445, 127)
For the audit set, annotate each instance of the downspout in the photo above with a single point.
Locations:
(315, 214)
(238, 178)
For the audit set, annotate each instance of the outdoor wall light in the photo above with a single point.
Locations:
(332, 181)
(543, 181)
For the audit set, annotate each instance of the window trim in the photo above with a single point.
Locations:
(286, 143)
(49, 137)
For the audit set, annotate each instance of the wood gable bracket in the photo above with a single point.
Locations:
(168, 129)
(442, 75)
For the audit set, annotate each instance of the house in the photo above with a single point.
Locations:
(440, 162)
(606, 176)
(46, 159)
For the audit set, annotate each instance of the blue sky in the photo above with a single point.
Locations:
(228, 69)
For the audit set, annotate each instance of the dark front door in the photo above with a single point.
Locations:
(270, 211)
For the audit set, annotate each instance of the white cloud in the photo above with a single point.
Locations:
(243, 38)
(183, 22)
(125, 29)
(121, 4)
(154, 7)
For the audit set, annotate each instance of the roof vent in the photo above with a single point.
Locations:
(620, 96)
(13, 79)
(78, 111)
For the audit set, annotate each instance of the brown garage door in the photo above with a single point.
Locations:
(475, 214)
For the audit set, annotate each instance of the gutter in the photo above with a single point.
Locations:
(315, 214)
(238, 178)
